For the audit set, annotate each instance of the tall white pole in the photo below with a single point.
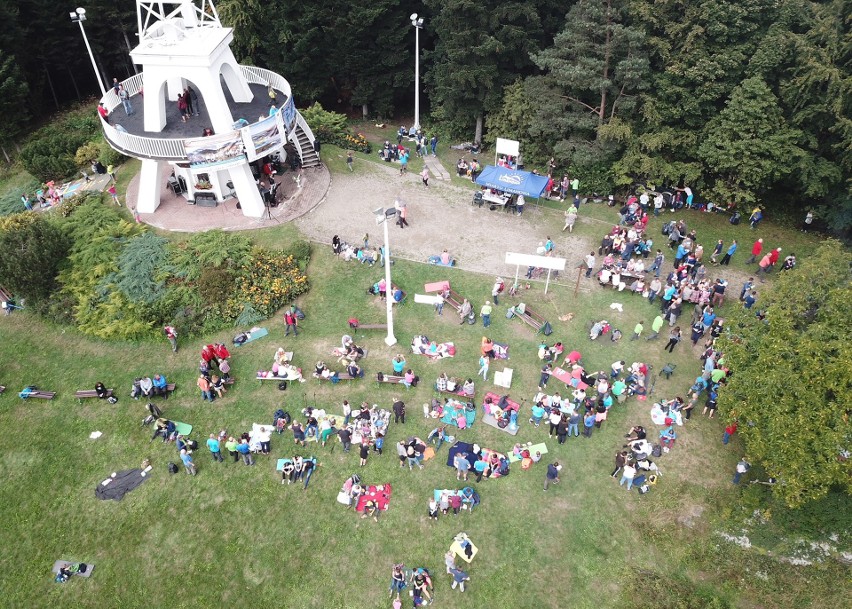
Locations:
(92, 57)
(390, 340)
(416, 77)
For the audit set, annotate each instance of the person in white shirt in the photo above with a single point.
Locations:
(627, 475)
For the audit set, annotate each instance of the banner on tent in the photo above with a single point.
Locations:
(539, 262)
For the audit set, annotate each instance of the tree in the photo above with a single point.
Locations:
(748, 146)
(479, 48)
(599, 62)
(14, 96)
(791, 387)
(33, 249)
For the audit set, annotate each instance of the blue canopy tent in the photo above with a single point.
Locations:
(512, 181)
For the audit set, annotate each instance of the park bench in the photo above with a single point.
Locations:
(37, 393)
(390, 378)
(367, 327)
(341, 376)
(90, 393)
(531, 318)
(454, 300)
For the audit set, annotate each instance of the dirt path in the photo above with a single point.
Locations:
(439, 217)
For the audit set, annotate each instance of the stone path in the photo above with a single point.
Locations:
(436, 168)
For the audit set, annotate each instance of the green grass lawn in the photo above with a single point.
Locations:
(235, 535)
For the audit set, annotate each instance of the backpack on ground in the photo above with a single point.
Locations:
(240, 338)
(154, 410)
(173, 468)
(657, 450)
(547, 329)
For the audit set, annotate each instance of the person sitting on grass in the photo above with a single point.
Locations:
(371, 509)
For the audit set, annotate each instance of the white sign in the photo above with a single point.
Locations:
(509, 147)
(425, 299)
(541, 262)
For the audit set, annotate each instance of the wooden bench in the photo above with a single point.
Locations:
(457, 393)
(90, 393)
(280, 379)
(390, 378)
(368, 327)
(531, 318)
(37, 393)
(170, 387)
(341, 376)
(455, 301)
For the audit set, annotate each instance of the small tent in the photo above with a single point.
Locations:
(512, 181)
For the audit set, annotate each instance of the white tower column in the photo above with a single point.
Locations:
(150, 185)
(247, 192)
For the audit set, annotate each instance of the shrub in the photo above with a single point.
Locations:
(87, 153)
(33, 248)
(331, 128)
(214, 248)
(49, 153)
(272, 280)
(300, 250)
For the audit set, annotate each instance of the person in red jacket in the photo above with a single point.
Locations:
(291, 320)
(756, 249)
(221, 351)
(103, 112)
(208, 354)
(730, 430)
(773, 257)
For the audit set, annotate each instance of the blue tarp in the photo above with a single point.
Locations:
(512, 181)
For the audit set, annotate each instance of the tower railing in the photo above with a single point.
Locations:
(170, 148)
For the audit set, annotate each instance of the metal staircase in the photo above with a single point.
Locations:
(308, 156)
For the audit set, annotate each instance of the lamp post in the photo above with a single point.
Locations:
(417, 22)
(382, 217)
(79, 16)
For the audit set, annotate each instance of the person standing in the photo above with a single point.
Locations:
(590, 264)
(459, 578)
(485, 313)
(589, 423)
(575, 186)
(620, 460)
(345, 438)
(364, 452)
(245, 450)
(182, 107)
(637, 330)
(291, 321)
(574, 424)
(656, 326)
(192, 101)
(462, 466)
(496, 289)
(398, 411)
(727, 258)
(742, 468)
(402, 212)
(552, 475)
(187, 462)
(439, 304)
(171, 335)
(717, 251)
(755, 251)
(658, 263)
(213, 446)
(674, 339)
(103, 113)
(349, 160)
(730, 430)
(204, 385)
(433, 144)
(484, 362)
(124, 96)
(114, 194)
(231, 447)
(627, 475)
(570, 218)
(809, 218)
(424, 175)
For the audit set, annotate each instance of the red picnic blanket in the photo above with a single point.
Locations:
(380, 494)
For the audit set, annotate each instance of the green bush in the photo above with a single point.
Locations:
(332, 128)
(300, 250)
(10, 199)
(49, 153)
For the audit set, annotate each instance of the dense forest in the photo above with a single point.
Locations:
(746, 101)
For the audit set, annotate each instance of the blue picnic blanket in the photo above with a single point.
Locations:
(451, 415)
(250, 336)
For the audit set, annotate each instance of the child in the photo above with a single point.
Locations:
(365, 452)
(426, 411)
(379, 443)
(111, 190)
(433, 509)
(349, 160)
(217, 385)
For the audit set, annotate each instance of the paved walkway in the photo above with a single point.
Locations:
(436, 167)
(175, 214)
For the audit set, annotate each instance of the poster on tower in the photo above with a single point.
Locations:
(215, 151)
(289, 112)
(263, 137)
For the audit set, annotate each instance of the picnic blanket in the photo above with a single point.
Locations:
(455, 411)
(463, 547)
(501, 351)
(542, 448)
(438, 286)
(569, 378)
(280, 464)
(59, 564)
(183, 429)
(495, 399)
(253, 334)
(434, 350)
(381, 494)
(659, 416)
(119, 484)
(489, 419)
(461, 447)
